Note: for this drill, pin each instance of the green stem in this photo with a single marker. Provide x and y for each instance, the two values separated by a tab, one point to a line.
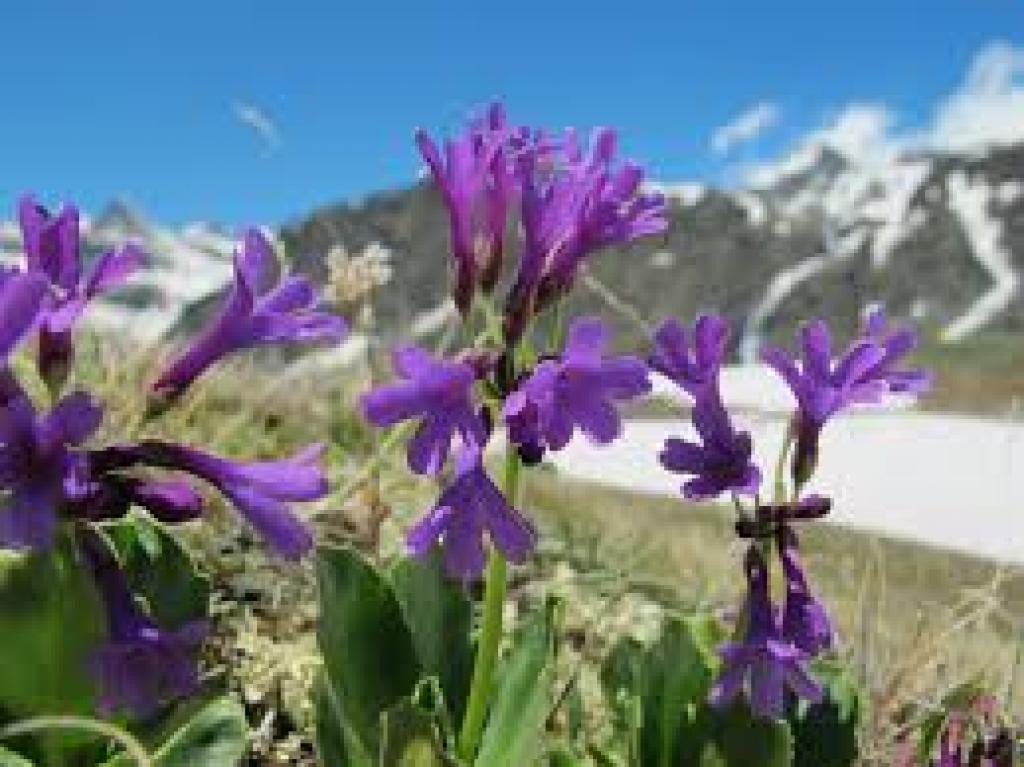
780	466
491	630
135	750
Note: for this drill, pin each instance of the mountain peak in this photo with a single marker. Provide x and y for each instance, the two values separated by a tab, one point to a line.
120	219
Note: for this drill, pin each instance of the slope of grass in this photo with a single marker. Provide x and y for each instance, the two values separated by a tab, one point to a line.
913	621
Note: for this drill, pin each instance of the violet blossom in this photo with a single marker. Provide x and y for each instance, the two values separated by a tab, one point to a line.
53	250
110	495
258	310
805	621
436	391
694	367
823	386
21	301
470	507
896	344
721	462
477	182
764	661
573	206
260	490
38	470
578	390
141	666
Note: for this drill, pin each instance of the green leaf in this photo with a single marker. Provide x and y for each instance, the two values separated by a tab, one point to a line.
160	571
679	674
367	648
11	759
215	736
623	680
515	729
43	663
333	746
736	738
825	733
564	757
440	616
51	621
668	682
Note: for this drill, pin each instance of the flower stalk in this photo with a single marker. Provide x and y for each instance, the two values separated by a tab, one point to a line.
495	587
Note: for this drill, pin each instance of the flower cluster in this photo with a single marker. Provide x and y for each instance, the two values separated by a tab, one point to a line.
568	204
57	482
772	646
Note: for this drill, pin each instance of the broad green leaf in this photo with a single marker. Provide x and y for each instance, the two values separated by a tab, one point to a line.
440	616
825	733
736	738
624	668
332	745
367	648
51	621
564	757
624	681
160	571
216	737
515	729
11	759
678	678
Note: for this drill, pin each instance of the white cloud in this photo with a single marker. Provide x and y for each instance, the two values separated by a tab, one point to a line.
745	127
988	109
860	132
261	124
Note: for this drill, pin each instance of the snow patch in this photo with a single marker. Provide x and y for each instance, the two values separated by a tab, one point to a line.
686	193
753	206
838	247
970	201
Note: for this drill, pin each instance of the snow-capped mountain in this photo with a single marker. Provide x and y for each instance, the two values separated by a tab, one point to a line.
183	267
825	231
937	236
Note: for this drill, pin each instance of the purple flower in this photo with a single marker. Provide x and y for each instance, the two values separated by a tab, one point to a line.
141	667
52	250
764	661
37	469
440	394
478	185
21	301
260	490
578	390
895	344
721	462
863	374
468	508
805	621
258	311
695	368
573	206
111	495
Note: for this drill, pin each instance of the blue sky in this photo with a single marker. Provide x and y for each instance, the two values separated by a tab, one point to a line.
143	101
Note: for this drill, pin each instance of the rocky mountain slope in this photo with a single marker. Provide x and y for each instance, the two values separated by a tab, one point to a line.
939	237
936	237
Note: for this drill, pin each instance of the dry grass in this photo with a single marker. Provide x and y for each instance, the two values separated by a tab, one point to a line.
913	621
